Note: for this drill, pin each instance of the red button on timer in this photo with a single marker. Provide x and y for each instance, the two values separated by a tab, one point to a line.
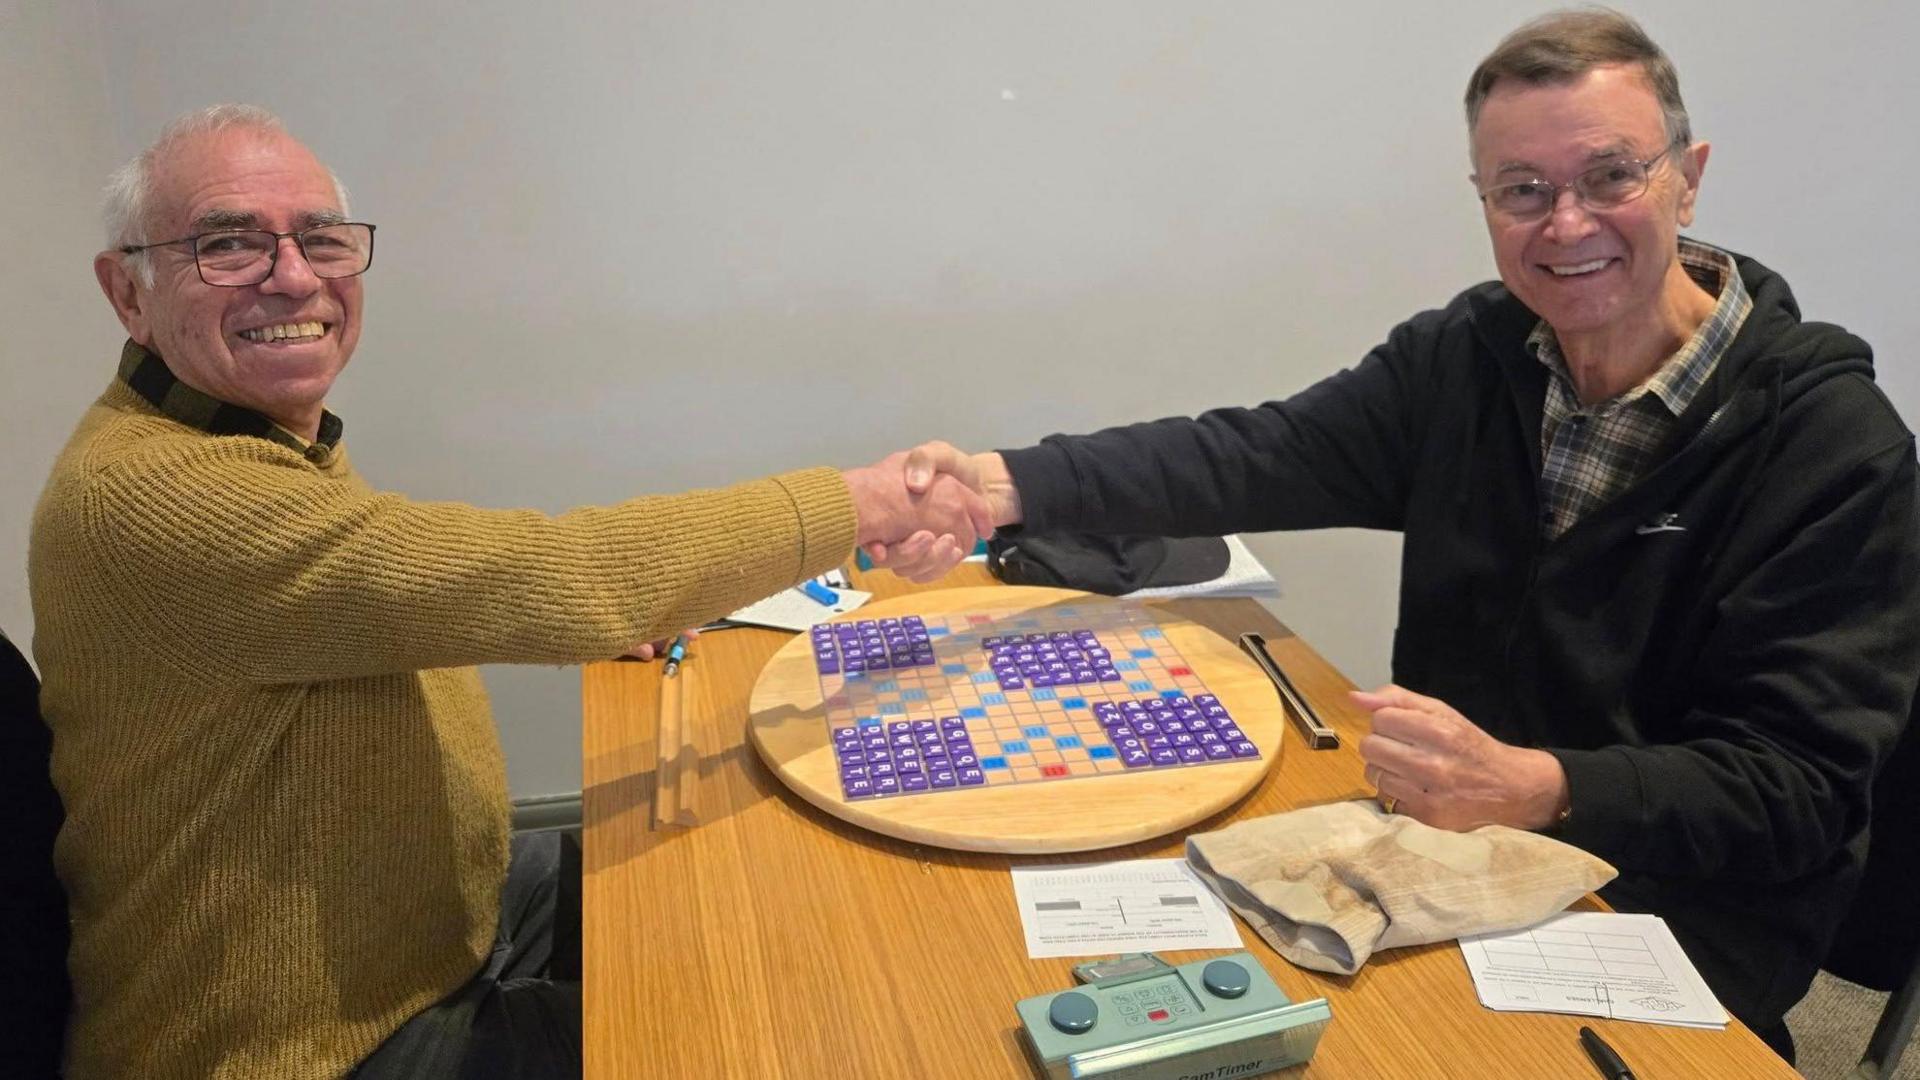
1157	1015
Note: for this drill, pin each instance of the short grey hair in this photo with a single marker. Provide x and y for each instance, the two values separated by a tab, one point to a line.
129	194
1561	46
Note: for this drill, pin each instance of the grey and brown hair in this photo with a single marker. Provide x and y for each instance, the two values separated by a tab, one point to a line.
128	199
1564	45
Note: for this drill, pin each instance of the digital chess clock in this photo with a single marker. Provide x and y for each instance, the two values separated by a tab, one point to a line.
1219	1019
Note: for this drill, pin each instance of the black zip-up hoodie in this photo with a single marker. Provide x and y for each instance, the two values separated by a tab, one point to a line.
1720	656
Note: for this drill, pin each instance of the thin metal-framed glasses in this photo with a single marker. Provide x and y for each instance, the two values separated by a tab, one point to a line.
234	258
1614	183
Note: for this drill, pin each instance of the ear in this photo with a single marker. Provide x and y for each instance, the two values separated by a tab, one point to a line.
1693	164
123	292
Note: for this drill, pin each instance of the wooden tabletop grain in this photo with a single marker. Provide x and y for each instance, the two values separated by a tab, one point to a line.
773	940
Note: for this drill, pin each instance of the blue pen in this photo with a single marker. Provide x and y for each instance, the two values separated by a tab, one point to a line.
676	654
819	592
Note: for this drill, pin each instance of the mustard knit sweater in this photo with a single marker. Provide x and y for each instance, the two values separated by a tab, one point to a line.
287	814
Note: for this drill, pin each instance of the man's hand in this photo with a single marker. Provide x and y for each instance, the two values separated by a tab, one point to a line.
922	534
1435	765
985	473
649	650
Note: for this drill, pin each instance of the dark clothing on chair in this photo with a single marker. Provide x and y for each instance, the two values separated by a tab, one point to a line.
1879	943
519	1017
34	934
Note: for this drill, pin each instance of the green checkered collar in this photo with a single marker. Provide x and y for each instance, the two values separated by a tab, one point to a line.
148	375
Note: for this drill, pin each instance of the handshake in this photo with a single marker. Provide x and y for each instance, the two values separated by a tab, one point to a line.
922	510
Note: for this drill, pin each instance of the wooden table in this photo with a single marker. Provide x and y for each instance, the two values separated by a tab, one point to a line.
773	940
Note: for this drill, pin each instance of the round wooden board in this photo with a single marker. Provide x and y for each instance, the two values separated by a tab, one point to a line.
789	728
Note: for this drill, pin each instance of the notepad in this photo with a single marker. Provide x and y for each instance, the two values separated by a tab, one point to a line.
1091	909
1245	575
1593	963
791	609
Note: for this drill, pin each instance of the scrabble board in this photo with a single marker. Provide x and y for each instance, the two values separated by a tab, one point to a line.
1043	704
1015	719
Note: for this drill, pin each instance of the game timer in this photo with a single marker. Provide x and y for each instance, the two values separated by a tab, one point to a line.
1220	1019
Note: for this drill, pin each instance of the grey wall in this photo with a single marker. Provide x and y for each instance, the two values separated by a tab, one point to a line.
56	142
638	247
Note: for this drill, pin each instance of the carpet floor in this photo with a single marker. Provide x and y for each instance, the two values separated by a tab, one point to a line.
1830	1028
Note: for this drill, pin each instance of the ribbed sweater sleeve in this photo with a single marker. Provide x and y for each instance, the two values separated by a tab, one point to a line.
238	549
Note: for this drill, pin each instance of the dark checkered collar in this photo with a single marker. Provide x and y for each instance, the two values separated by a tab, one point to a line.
149	376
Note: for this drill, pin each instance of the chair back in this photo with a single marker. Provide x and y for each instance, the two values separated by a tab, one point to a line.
34	992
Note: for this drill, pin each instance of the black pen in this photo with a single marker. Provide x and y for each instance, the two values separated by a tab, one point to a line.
1604	1058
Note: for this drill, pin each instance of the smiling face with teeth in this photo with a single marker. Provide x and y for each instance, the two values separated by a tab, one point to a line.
275	347
1609	281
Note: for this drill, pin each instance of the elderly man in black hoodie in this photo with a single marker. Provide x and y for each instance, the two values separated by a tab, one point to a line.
1661	568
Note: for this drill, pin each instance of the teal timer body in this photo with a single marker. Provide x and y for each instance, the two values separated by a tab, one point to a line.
1219	1019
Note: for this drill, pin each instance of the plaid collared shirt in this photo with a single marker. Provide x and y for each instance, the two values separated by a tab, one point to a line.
149	376
1590	453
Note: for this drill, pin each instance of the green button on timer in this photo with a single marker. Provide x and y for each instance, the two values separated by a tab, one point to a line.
1073	1013
1224	978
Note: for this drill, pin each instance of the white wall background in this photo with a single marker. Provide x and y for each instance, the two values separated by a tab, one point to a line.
56	146
639	247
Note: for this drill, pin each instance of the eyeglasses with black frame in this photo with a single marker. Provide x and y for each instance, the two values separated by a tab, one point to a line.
1614	183
235	258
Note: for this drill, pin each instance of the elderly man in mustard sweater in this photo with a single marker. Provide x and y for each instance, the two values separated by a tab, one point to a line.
287	831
